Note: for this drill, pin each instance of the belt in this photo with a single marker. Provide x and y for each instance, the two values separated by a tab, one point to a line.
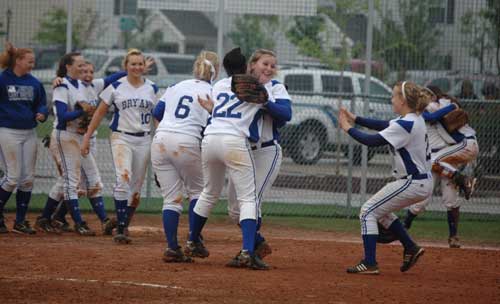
138	134
471	137
416	176
435	150
265	144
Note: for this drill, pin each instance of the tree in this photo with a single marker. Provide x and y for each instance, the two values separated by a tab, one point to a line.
50	33
254	32
411	42
479	38
492	14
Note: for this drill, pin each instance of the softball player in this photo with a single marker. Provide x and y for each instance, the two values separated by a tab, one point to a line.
266	152
176	148
66	140
22	105
408	140
226	146
92	87
133	98
450	151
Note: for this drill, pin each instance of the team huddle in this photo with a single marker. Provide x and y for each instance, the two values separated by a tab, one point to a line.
201	131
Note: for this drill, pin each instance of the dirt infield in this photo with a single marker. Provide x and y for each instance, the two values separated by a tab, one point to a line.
308	267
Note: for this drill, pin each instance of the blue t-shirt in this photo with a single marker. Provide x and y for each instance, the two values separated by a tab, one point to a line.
21	98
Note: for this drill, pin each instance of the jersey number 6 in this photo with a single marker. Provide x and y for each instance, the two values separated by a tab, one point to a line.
182	110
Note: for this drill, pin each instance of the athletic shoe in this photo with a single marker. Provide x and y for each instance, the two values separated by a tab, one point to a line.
196	250
263	249
3	228
363	268
108	226
83	229
176	256
44	225
62	226
122	239
245	260
454	242
23	228
410	257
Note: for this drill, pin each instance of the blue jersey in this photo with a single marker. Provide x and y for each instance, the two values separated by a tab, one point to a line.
21	98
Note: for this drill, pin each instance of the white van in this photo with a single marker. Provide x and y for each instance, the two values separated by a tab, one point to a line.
316	95
169	68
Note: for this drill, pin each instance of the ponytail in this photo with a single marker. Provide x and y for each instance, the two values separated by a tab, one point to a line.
206	66
66	59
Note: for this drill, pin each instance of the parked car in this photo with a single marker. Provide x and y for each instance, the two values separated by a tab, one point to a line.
316	95
169	68
46	60
452	84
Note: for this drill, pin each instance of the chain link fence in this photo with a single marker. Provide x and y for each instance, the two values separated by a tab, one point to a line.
323	49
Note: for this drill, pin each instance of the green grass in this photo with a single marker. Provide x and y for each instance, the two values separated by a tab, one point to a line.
429	226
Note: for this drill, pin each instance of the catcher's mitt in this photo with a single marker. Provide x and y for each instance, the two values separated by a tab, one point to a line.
455	120
248	89
84	121
385	236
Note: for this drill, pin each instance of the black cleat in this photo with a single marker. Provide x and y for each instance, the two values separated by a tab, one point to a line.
23	228
363	268
245	260
410	257
176	256
196	250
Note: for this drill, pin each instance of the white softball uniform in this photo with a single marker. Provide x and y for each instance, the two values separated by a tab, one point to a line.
227	146
176	147
130	139
267	154
66	151
18	158
409	145
448	156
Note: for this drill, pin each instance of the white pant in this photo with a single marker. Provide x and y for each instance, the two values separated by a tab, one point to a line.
131	156
392	197
221	152
65	149
267	163
176	160
18	159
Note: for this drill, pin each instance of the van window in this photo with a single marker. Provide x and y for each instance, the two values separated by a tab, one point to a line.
299	83
331	84
178	65
375	88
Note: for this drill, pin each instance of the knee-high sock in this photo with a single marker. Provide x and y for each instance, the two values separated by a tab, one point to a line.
192	203
403	236
453	216
170	224
130	214
195	229
259	238
74	210
22	201
370	247
121	213
4	197
61	212
50	207
248	230
409	219
97	204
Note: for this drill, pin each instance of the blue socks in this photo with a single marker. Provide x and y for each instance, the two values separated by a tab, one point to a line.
50	207
4	197
198	222
121	212
370	246
130	213
61	212
192	203
248	231
74	210
409	219
258	237
97	204
22	202
453	215
170	224
403	236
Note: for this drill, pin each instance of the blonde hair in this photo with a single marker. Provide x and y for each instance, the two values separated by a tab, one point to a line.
9	56
206	66
416	97
257	55
132	52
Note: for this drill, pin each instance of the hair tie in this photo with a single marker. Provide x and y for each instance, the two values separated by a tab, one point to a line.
212	69
403	89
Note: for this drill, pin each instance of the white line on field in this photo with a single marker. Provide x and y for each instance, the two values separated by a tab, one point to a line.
35	278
